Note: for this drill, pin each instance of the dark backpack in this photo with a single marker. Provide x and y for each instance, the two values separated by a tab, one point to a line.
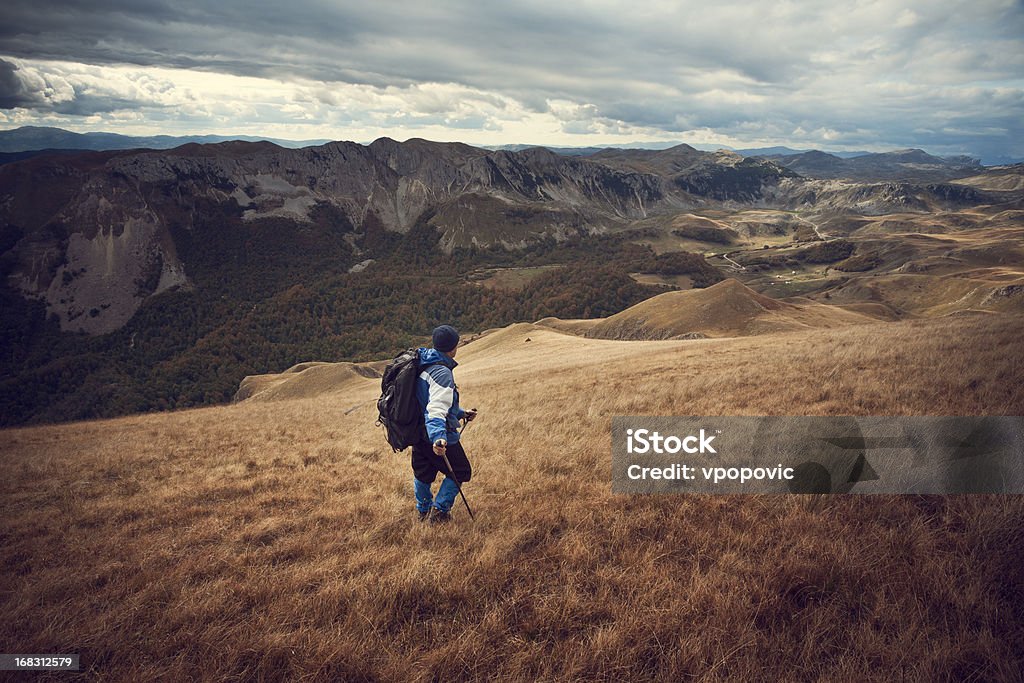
400	412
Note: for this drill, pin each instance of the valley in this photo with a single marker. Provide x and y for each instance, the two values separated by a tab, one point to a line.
140	280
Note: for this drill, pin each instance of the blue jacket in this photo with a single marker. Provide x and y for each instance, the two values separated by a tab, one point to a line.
438	396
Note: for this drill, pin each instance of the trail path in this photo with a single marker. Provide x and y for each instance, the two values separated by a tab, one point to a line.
817	232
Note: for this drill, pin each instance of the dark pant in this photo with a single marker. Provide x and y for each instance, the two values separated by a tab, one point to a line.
426	464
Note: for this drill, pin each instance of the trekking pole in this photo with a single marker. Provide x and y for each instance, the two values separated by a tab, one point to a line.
451	473
458	484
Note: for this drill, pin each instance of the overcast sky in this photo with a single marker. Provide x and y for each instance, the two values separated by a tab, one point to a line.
943	75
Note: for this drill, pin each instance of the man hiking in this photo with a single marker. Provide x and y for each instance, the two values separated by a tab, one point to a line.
438	396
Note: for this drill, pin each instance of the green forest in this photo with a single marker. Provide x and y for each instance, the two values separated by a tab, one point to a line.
268	296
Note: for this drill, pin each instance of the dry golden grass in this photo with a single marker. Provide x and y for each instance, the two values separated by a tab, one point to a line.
728	308
306	379
677	281
512	278
1008	180
276	541
577	326
931	295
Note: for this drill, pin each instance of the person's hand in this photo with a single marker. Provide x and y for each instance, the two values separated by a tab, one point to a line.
440	447
470	414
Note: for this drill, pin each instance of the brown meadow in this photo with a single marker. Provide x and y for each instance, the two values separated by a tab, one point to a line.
275	539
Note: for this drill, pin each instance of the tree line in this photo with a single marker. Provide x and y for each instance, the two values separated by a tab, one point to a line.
265	298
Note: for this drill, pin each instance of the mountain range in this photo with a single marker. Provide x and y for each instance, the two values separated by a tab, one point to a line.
907	164
750	152
30	140
35	138
147	279
94	234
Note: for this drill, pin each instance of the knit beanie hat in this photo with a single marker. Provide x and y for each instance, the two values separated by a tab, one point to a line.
446	338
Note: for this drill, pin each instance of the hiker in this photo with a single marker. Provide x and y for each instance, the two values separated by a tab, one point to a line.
438	396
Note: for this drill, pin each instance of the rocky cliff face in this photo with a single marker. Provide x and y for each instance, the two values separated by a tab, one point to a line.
94	234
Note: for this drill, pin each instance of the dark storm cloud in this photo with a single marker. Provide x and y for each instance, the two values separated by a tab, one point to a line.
559	50
13	92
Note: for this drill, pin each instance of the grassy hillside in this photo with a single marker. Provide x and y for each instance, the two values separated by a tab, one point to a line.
275	540
728	308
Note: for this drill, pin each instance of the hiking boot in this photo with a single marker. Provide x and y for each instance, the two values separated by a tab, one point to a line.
438	516
422	515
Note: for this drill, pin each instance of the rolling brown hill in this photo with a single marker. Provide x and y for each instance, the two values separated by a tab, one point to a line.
307	379
280	535
726	309
1000	178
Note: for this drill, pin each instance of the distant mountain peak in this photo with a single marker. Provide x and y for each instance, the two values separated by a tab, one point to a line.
33	138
